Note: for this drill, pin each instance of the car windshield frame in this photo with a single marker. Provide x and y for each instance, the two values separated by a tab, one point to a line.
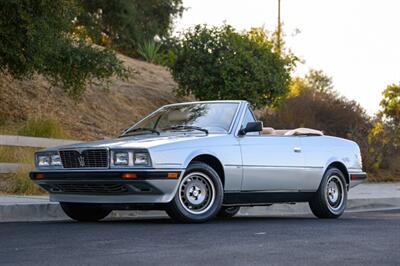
163	109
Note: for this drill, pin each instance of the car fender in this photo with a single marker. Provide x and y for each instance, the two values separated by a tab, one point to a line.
331	160
337	160
196	153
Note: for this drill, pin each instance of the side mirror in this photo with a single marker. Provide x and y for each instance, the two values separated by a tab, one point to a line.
251	127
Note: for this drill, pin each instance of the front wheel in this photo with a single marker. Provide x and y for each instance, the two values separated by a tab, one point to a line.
84	212
331	198
199	196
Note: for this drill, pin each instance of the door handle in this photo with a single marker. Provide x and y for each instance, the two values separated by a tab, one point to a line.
297	149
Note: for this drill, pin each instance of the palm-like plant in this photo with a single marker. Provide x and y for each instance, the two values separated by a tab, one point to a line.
149	51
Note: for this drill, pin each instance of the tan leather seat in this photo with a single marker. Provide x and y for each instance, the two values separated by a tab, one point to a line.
267	130
280	131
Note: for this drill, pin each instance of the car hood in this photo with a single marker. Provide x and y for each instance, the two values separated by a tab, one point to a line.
143	142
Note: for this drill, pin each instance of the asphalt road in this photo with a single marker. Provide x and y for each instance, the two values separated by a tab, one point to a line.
370	238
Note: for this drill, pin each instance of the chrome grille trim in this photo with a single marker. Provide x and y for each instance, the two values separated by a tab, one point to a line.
84	158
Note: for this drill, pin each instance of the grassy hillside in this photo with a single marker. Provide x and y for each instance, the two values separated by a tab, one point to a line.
100	113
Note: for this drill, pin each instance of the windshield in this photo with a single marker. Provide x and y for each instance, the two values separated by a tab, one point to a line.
213	117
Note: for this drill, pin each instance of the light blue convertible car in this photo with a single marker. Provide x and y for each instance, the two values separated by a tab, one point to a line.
199	160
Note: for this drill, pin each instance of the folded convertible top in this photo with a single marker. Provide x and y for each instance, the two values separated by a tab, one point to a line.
292	132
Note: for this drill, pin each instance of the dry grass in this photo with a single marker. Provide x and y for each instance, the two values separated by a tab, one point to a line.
99	113
19	184
43	127
12	154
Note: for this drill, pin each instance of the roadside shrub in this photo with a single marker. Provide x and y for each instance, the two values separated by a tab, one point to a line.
43	127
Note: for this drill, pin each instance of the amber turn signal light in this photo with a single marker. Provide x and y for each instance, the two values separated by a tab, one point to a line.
172	175
39	175
129	175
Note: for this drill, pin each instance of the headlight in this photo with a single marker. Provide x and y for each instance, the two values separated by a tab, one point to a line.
48	159
121	158
130	158
55	160
142	158
43	160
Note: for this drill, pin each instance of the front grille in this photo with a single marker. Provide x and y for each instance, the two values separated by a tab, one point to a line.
91	158
93	189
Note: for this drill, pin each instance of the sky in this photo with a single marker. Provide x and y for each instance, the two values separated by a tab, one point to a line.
355	42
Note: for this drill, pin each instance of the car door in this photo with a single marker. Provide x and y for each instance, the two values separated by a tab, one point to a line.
270	162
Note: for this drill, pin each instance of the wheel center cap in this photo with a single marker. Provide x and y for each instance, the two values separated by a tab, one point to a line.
333	194
196	193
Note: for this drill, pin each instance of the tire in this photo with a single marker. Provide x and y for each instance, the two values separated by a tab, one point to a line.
84	212
228	212
331	198
199	196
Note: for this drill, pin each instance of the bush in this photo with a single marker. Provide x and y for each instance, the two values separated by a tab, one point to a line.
43	127
219	63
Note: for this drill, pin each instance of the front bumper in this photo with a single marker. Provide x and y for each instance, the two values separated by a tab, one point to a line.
143	186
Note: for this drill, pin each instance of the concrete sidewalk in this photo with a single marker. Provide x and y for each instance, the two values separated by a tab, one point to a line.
369	196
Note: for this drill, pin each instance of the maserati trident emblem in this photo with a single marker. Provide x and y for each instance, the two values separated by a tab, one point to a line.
81	161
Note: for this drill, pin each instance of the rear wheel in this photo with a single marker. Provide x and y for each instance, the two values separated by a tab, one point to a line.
199	196
84	212
331	198
228	212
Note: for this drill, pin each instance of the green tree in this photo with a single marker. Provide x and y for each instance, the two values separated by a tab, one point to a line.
129	23
220	63
384	136
390	104
388	124
318	81
36	38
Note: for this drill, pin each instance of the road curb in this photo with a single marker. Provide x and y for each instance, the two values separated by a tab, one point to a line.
371	204
31	212
53	212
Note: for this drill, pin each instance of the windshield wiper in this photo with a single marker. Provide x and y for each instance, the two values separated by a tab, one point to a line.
152	130
186	127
